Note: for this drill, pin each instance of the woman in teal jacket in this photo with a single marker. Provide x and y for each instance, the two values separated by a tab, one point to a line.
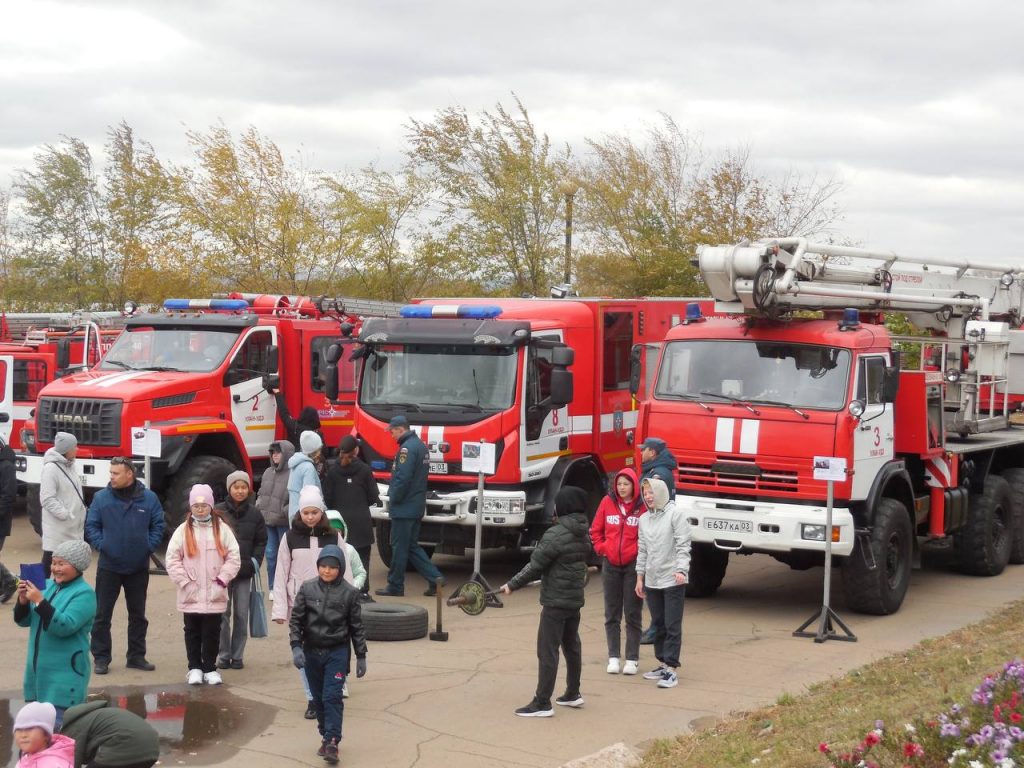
57	666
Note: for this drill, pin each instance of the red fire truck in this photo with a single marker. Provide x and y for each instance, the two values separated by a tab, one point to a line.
545	381
747	402
198	373
36	348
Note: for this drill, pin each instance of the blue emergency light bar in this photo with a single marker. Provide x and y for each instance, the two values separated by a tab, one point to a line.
232	305
469	311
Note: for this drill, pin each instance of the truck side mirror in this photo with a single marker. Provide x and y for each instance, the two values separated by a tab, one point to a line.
333	354
63	354
635	356
272	358
561	388
331	383
891	379
271	381
562	356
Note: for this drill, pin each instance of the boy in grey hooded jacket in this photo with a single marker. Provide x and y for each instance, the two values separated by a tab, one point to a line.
60	496
272	502
662	569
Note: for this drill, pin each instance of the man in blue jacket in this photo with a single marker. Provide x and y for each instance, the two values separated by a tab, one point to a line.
125	523
407	501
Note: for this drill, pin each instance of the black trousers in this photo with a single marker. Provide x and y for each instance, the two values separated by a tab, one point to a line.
364	555
621	601
108	588
666	606
558	628
202	639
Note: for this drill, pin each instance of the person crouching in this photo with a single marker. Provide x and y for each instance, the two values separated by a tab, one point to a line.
325	617
202	559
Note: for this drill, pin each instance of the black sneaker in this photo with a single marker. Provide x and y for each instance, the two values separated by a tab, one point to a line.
385	592
569	700
142	664
223	663
237	664
365	597
647	638
310	713
535	709
331	752
323	749
8	592
101	667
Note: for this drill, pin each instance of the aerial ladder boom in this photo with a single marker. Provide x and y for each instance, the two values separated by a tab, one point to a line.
772	277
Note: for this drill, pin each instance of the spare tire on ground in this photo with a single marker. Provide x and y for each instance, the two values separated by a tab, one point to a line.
394	621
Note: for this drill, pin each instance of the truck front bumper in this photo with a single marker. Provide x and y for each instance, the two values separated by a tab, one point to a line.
94	473
735	524
505	509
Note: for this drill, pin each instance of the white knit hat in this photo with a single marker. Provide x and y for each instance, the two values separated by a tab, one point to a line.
36	714
310	496
310	443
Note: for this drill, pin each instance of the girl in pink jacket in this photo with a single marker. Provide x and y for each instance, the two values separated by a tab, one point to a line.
40	747
202	559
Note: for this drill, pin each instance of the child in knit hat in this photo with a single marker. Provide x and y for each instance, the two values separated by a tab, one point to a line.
36	741
202	559
304	470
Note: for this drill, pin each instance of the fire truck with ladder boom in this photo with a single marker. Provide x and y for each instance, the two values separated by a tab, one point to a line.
38	347
498	371
200	374
746	402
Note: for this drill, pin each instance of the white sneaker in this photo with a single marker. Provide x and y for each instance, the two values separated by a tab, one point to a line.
656	673
613	666
271	597
344	690
631	667
668	679
213	678
195	677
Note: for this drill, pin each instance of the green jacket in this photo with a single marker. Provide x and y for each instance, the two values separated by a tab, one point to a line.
58	666
108	735
560	562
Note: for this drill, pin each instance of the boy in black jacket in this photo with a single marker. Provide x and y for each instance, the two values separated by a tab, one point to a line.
350	488
325	616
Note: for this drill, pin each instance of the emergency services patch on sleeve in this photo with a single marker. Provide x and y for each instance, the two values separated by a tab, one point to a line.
403	455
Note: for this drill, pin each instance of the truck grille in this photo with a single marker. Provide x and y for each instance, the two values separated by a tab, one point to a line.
93	422
737	473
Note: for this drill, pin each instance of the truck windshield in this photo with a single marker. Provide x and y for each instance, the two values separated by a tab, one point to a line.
801	375
435	377
169	349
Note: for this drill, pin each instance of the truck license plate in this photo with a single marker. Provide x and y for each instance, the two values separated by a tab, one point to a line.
438	468
731	526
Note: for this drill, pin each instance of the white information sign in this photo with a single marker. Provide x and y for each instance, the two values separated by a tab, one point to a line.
830	468
145	442
478	457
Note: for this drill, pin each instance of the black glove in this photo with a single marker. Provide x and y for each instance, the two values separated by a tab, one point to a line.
298	657
360	667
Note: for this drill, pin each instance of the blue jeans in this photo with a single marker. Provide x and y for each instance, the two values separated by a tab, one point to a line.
274	535
325	670
405	548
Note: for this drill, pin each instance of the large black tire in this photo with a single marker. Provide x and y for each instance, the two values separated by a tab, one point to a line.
983	544
34	508
881	591
1015	478
394	621
707	569
209	470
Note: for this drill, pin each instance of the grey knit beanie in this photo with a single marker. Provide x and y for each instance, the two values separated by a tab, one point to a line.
76	553
239	474
64	442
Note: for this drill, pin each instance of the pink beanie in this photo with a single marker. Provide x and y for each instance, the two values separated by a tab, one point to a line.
200	494
310	496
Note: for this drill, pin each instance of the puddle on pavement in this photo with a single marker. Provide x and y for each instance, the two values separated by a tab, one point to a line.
199	725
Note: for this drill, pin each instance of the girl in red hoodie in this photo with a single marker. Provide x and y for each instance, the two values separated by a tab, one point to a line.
614	534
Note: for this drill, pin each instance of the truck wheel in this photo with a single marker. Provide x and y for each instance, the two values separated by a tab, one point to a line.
881	591
707	569
209	470
383	535
34	508
983	544
1015	478
394	621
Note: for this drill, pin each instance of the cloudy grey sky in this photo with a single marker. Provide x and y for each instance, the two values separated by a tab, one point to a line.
912	104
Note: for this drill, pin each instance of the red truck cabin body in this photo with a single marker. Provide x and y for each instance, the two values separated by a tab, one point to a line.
199	379
460	381
745	472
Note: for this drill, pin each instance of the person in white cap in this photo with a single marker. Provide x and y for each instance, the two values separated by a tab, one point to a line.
303	469
40	747
60	496
59	618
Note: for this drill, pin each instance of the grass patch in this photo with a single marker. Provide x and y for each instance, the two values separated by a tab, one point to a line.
922	681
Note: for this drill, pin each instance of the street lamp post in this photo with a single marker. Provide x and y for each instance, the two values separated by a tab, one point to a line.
568	187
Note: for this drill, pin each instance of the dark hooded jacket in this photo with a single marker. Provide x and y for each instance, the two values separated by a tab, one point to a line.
352	491
308	419
560	559
8	488
272	499
327	615
125	525
615	526
251	532
662	466
108	735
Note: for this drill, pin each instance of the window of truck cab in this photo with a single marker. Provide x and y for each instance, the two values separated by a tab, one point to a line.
196	350
754	370
348	370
